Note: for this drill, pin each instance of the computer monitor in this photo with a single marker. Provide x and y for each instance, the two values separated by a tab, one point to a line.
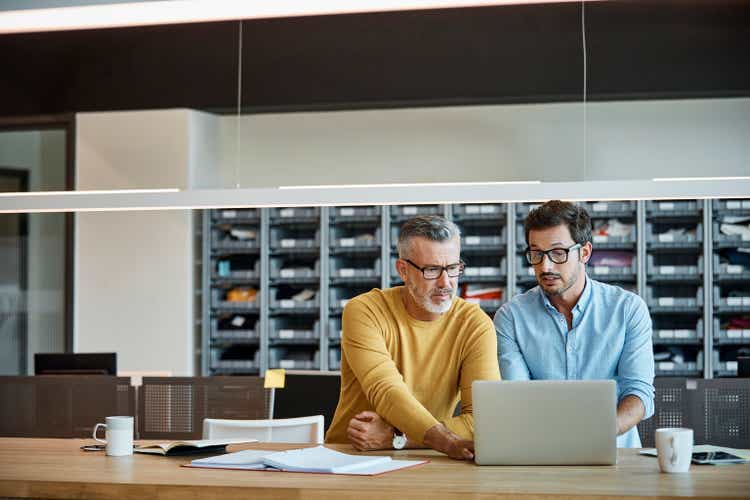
78	363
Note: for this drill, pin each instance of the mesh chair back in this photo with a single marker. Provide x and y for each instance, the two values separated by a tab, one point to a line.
724	412
671	408
174	407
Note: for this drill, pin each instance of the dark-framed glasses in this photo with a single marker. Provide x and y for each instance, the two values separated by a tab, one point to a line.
556	255
434	272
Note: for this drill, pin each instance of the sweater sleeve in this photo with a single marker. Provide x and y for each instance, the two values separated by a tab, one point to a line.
363	344
479	363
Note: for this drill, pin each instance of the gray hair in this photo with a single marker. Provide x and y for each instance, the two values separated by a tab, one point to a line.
431	227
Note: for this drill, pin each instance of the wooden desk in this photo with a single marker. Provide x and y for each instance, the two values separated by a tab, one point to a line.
56	468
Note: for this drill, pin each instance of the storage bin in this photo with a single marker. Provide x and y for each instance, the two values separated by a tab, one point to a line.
677	369
293	358
659	237
286	240
607	209
354	270
672	208
679	335
403	212
280	305
246	331
675	302
223	269
281	269
733	207
482	271
349	213
222	238
334	328
293	329
479	211
726	304
730	272
334	358
673	272
293	214
730	336
355	237
235	215
219	301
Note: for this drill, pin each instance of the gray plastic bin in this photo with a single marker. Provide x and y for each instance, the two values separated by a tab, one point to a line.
291	214
730	336
292	329
218	301
345	237
293	358
740	304
676	272
284	239
342	270
730	272
670	208
281	305
478	210
679	335
250	333
280	269
673	303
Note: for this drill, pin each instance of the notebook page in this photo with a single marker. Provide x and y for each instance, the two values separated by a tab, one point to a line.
321	459
245	459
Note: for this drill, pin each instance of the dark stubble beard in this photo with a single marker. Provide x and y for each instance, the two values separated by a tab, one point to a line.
566	286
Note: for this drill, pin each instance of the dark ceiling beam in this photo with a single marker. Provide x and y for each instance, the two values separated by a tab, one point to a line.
514	54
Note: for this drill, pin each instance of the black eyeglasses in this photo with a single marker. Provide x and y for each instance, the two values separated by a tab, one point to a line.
434	272
556	255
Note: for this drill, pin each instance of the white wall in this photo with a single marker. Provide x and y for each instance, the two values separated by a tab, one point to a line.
42	155
625	140
134	270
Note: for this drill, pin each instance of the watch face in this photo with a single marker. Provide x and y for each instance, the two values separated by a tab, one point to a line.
399	441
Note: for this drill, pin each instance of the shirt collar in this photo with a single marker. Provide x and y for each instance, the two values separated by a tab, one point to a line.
583	300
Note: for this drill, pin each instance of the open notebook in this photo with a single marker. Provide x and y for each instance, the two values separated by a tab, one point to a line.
188	447
318	459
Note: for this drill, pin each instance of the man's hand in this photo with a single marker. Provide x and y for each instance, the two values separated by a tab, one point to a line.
440	438
368	431
630	411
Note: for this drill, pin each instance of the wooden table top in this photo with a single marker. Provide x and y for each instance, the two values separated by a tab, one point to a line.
57	468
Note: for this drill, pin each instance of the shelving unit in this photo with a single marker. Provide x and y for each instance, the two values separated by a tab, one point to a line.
304	264
674	285
730	263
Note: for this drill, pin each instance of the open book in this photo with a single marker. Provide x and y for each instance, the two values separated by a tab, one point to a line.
190	447
318	459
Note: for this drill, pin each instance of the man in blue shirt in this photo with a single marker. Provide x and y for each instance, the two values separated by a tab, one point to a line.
571	327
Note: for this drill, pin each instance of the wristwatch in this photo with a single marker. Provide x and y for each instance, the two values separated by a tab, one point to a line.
399	439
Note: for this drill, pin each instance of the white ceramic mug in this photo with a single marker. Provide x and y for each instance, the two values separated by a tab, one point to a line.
118	436
674	448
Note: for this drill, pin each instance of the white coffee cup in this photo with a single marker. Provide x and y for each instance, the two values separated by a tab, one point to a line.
118	436
674	448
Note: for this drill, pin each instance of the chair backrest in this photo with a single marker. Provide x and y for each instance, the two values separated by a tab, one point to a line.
61	406
282	430
174	407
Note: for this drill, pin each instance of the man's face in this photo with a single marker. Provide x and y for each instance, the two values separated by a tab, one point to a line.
433	296
556	279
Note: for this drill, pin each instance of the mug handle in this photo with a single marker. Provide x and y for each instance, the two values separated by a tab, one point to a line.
96	427
673	458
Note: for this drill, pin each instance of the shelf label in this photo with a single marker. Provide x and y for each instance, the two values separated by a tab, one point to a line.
683	334
472	209
409	210
734	334
746	334
488	209
666	365
666	301
473	240
287	303
599	207
734	269
600	238
666	270
601	269
286	364
666	205
229	214
746	301
732	366
346	273
286	334
287	273
347	242
488	271
666	334
288	243
286	212
734	301
346	212
666	238
471	271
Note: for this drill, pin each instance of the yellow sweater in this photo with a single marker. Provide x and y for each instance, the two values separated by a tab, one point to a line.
412	372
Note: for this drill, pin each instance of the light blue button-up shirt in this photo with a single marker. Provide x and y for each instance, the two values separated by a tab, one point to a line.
610	339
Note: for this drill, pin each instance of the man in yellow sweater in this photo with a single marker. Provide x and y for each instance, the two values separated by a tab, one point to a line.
411	352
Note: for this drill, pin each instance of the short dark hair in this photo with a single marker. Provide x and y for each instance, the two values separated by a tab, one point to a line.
556	212
431	227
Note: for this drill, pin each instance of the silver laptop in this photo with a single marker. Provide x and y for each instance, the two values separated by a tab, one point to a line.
545	422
